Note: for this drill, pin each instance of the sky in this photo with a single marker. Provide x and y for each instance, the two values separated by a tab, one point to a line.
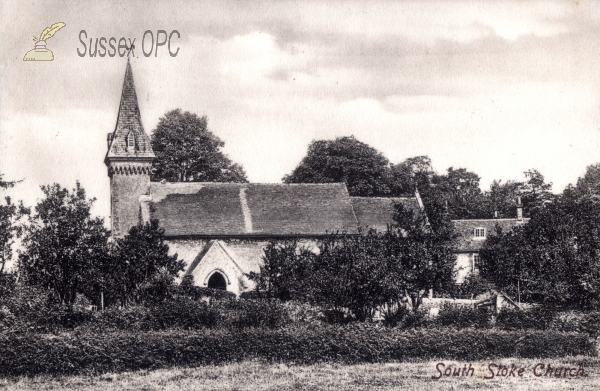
494	87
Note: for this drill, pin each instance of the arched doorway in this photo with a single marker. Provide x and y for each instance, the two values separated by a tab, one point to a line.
217	281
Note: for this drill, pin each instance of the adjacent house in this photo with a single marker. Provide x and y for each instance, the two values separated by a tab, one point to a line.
472	235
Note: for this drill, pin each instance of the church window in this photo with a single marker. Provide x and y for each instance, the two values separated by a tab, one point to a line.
217	281
479	233
130	141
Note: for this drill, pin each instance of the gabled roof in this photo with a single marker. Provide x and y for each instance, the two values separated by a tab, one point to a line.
252	209
466	242
129	120
377	213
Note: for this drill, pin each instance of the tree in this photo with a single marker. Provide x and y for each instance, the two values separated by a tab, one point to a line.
411	174
460	191
137	259
554	258
285	271
352	272
186	151
345	159
589	184
62	243
423	256
502	198
10	214
535	192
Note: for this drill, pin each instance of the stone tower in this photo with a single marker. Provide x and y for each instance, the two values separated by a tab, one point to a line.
129	160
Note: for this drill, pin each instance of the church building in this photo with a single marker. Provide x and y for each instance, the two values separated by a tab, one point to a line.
221	229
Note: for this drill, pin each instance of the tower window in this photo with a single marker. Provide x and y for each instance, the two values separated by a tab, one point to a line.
131	142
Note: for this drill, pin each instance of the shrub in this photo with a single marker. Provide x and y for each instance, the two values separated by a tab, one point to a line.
34	309
584	322
461	316
188	289
79	352
416	319
537	318
335	316
299	312
253	313
394	317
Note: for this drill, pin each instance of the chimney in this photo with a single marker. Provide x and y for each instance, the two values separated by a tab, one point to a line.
109	139
519	209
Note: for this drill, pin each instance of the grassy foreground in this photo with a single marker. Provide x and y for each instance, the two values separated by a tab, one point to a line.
254	375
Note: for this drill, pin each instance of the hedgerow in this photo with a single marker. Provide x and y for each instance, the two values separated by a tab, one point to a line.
88	352
461	316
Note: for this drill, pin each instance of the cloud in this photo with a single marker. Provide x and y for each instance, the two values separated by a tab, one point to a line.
495	87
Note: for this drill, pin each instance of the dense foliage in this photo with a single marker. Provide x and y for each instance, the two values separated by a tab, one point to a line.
362	274
368	173
554	258
186	151
345	159
84	352
140	267
62	243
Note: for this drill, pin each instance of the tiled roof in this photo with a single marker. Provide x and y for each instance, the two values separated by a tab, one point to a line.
466	241
377	213
237	209
128	120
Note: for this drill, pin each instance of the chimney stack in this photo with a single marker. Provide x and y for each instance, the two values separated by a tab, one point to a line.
519	209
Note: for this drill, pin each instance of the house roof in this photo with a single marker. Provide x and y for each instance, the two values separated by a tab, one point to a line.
466	241
377	213
252	209
129	120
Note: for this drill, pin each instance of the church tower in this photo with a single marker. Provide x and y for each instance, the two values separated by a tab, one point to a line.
129	160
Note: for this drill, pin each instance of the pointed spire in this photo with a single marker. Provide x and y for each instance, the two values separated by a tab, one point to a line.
129	138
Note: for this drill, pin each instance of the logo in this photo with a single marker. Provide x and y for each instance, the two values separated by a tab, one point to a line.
40	52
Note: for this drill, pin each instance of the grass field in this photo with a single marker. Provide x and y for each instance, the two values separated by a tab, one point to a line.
253	375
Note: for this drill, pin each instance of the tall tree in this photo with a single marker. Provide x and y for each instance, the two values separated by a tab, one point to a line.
62	243
535	192
589	184
411	174
345	159
502	198
186	151
459	191
10	214
423	255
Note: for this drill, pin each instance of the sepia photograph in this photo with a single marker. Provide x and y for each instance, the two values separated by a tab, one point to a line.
300	195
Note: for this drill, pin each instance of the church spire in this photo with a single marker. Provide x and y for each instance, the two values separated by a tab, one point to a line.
129	139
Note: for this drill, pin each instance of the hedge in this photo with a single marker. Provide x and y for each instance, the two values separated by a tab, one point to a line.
86	352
